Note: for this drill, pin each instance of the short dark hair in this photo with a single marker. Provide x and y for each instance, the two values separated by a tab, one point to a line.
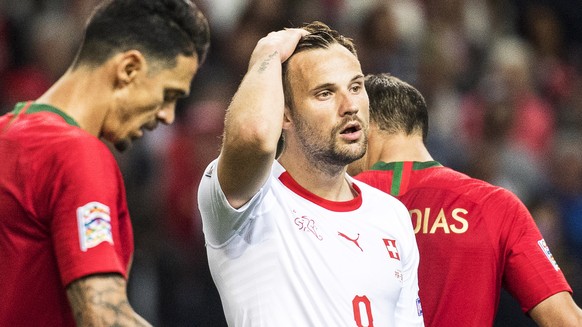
320	36
160	29
396	106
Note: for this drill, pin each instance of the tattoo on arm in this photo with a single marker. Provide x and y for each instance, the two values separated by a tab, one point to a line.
266	62
101	300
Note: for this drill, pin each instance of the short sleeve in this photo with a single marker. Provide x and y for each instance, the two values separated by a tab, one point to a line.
220	221
409	308
90	223
531	273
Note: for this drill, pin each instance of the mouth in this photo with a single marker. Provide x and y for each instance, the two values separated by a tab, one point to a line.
351	131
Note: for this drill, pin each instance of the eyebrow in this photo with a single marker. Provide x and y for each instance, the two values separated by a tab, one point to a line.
328	85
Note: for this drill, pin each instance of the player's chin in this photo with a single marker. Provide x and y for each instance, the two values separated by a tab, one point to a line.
353	152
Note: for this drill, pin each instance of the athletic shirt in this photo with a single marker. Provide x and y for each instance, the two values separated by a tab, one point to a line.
291	258
63	217
473	239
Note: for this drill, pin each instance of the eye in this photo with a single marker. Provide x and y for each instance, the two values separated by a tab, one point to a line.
356	88
172	96
323	95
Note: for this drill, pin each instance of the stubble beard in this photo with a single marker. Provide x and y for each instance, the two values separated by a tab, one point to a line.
329	154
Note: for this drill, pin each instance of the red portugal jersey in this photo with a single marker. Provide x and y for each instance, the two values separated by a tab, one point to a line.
473	238
63	217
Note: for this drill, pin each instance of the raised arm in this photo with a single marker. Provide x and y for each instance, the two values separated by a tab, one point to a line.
254	119
557	310
101	300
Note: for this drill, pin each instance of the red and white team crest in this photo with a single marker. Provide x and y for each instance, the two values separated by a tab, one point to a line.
392	249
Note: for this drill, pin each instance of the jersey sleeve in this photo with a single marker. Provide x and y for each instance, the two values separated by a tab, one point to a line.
408	308
90	225
531	273
220	221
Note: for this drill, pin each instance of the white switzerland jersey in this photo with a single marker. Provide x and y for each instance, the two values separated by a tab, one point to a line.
291	258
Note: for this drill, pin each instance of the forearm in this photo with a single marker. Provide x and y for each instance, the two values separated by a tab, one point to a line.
557	310
255	115
101	300
254	119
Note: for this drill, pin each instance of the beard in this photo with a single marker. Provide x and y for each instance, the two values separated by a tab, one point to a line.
328	153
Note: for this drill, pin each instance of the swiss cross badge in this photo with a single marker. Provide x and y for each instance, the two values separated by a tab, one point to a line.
392	249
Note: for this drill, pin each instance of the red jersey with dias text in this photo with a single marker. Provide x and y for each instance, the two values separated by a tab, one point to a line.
64	214
473	238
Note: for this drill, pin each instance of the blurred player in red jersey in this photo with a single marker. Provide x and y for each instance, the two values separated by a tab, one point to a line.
473	237
66	239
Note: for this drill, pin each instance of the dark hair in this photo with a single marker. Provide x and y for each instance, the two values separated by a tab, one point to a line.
320	36
396	106
160	29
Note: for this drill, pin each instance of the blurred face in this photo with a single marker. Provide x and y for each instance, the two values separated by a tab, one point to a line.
149	98
328	120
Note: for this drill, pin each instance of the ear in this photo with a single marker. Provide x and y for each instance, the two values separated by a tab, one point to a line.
287	118
129	65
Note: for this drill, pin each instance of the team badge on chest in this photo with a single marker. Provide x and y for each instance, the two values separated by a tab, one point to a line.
391	247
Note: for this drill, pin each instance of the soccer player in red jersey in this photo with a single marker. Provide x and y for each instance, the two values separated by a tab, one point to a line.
66	239
473	237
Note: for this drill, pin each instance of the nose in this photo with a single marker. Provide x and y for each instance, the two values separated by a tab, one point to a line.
167	114
348	104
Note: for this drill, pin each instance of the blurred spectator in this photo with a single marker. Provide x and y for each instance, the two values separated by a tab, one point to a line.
390	36
566	177
506	115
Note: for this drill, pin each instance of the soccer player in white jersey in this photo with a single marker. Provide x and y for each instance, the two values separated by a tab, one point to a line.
293	240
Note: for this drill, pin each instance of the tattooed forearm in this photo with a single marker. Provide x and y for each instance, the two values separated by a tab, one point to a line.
101	300
266	62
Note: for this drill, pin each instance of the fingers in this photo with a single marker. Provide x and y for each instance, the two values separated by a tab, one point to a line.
282	42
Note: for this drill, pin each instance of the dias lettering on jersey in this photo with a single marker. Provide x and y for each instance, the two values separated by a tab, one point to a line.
429	221
392	249
94	223
546	249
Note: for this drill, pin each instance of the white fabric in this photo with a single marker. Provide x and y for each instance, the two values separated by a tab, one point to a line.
280	259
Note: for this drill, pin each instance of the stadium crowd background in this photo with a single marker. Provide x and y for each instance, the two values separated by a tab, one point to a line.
503	81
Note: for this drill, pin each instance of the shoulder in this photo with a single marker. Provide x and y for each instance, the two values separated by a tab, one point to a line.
46	141
478	190
377	197
51	131
78	145
370	191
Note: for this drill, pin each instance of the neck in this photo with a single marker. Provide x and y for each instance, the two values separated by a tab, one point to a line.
397	147
81	94
330	185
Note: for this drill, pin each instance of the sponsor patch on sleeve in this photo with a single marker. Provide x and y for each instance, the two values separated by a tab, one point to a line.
546	249
94	223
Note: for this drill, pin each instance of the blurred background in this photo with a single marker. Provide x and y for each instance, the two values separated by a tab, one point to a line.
503	80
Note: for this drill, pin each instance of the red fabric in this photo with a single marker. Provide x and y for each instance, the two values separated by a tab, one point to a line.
48	170
472	238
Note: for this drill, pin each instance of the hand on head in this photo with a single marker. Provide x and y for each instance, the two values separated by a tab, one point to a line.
282	43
